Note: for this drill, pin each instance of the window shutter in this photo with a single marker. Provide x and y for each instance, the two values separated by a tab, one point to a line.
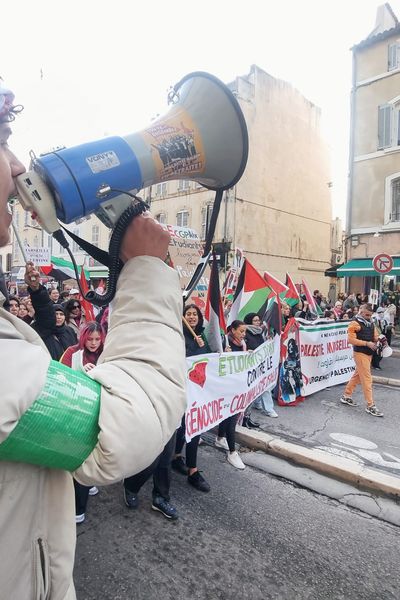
384	126
392	56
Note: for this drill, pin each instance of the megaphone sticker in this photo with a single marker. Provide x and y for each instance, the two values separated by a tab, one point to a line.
176	145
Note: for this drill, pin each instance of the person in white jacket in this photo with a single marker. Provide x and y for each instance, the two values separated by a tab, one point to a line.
142	396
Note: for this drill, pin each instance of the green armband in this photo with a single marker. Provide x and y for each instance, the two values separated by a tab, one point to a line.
61	427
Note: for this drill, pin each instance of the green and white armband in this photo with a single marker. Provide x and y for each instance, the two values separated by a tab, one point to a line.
61	428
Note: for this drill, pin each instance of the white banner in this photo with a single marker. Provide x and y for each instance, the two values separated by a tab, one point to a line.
39	256
222	385
325	354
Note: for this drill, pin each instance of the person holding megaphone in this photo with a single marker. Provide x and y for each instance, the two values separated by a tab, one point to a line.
57	424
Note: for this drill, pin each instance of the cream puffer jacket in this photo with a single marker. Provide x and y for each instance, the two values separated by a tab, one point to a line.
142	401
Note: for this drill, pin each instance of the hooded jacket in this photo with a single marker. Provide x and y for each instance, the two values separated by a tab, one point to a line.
56	338
142	399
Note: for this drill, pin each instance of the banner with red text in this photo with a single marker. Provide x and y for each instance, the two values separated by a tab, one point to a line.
222	385
326	356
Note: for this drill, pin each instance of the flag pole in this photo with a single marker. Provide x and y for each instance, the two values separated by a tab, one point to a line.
195	336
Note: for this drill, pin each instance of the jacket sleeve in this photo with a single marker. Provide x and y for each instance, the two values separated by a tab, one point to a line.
352	331
45	315
142	373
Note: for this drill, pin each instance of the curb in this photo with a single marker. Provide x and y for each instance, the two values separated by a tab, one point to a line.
323	462
386	380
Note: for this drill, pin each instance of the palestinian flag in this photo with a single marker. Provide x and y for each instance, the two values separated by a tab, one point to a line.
276	286
61	269
251	293
292	295
314	308
272	315
215	326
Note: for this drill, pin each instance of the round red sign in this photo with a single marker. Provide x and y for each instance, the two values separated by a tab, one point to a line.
382	263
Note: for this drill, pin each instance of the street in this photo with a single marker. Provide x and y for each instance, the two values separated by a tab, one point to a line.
321	421
252	537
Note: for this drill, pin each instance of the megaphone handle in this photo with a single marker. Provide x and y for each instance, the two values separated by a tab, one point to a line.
196	276
213	222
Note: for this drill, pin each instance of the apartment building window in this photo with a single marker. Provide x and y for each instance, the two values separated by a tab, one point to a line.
385	113
206	213
161	189
393	56
182	218
183	185
95	235
161	218
395	212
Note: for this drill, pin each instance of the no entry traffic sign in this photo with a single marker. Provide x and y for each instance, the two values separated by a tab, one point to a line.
382	263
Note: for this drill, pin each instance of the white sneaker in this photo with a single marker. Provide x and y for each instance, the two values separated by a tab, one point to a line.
235	460
271	413
93	491
221	443
80	518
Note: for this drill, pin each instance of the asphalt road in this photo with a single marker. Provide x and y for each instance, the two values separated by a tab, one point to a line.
322	421
253	537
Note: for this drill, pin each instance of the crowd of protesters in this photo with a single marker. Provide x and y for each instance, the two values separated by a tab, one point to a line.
59	318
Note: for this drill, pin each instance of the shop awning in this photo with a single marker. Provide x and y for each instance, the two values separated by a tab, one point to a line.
362	267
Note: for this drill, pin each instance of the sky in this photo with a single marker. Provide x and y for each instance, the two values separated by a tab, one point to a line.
85	69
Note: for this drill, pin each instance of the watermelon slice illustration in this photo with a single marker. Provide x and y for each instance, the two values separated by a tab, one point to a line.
197	373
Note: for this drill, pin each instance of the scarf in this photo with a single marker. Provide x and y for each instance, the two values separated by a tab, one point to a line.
254	329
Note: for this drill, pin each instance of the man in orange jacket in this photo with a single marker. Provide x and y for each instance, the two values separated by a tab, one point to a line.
362	335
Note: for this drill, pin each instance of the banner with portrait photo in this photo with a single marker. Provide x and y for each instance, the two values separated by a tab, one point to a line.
325	354
291	387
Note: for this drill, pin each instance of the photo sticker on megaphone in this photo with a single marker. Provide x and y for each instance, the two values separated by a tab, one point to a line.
176	146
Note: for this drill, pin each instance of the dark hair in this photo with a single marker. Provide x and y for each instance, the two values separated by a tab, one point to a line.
64	294
199	326
15	298
249	318
328	314
366	306
69	307
235	324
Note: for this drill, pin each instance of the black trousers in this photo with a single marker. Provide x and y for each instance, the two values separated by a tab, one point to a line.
81	497
227	429
191	447
161	471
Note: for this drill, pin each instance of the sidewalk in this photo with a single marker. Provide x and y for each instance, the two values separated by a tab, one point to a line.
340	441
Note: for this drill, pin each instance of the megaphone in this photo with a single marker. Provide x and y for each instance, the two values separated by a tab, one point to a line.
203	137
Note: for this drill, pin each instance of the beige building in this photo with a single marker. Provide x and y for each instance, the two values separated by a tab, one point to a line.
279	213
373	210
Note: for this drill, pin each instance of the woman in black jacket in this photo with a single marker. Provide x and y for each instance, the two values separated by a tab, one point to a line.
194	344
226	429
49	322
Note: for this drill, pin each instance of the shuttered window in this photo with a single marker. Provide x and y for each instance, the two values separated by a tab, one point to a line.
385	126
393	56
395	214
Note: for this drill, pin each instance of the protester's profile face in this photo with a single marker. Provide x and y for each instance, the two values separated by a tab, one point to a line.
239	332
54	295
60	318
10	167
93	342
192	317
14	308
